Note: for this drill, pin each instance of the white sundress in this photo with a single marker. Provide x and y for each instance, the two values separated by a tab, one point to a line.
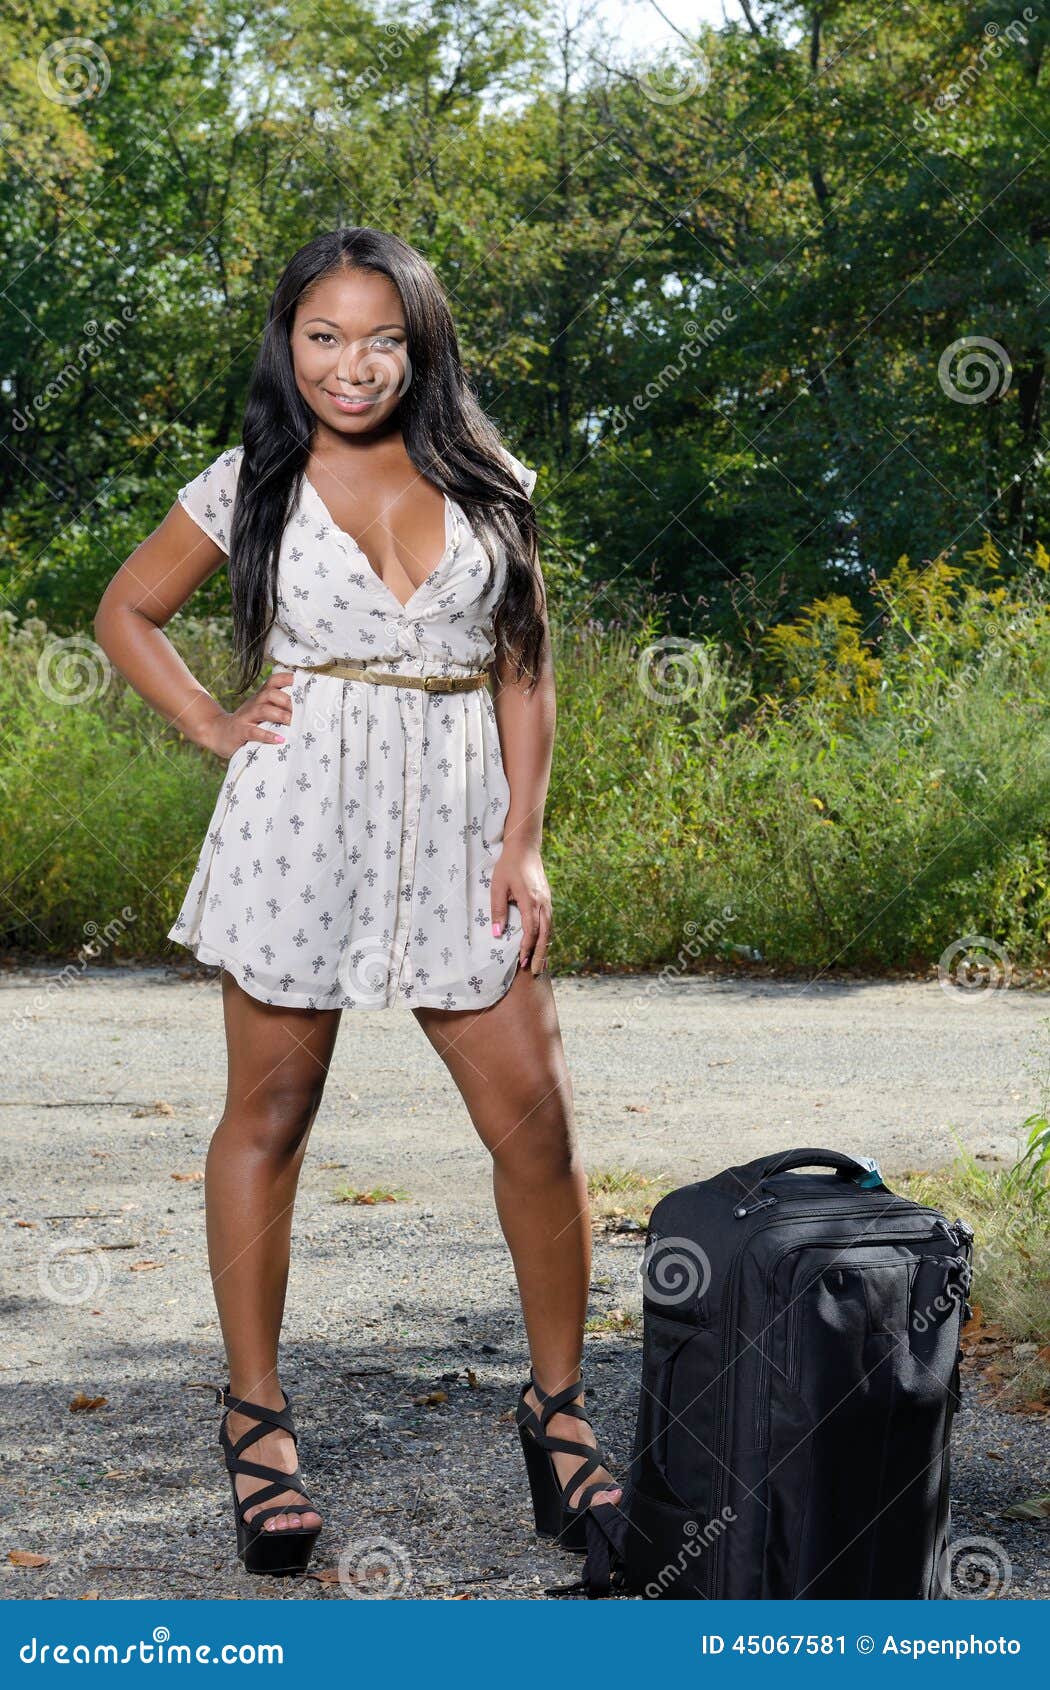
350	867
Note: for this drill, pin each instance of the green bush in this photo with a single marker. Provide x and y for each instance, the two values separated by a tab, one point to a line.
895	802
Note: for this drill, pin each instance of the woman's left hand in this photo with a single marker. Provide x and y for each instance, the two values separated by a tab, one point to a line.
519	877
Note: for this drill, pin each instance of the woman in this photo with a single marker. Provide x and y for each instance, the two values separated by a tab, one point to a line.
377	837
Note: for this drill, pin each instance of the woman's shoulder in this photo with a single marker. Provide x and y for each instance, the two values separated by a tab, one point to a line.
210	496
525	475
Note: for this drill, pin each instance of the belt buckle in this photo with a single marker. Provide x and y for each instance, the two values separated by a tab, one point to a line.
431	683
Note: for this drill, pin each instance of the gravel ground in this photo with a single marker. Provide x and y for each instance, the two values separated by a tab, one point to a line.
116	1079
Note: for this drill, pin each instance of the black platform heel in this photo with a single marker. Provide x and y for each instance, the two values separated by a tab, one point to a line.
595	1528
279	1552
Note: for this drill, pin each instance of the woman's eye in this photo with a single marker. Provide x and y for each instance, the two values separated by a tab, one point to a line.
385	340
322	335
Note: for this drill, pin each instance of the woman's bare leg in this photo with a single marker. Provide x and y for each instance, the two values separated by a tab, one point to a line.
509	1065
277	1065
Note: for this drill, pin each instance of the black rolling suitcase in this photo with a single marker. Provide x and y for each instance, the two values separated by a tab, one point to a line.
800	1372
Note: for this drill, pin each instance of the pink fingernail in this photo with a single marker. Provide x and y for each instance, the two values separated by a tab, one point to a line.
497	929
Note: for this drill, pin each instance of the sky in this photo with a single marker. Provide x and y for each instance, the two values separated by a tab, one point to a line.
637	24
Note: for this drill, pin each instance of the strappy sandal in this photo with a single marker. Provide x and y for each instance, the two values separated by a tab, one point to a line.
596	1528
277	1552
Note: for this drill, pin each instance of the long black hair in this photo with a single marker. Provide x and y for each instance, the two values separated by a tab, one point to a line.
446	433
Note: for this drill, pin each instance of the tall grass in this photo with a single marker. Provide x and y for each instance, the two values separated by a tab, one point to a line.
1009	1211
814	807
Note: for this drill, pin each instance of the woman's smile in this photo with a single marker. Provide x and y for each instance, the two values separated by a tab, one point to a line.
348	401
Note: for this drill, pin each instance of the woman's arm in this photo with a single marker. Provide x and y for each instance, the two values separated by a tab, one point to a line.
145	593
526	723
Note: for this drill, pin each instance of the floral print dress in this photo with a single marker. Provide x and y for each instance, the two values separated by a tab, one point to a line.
350	867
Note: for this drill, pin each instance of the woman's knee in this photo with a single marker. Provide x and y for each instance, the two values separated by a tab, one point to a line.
537	1138
273	1119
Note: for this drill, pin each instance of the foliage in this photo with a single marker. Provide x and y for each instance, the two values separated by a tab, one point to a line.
892	804
1007	1209
719	316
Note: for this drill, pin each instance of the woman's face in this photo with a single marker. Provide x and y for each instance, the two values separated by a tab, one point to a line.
350	350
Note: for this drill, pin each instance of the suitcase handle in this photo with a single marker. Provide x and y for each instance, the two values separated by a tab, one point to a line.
863	1169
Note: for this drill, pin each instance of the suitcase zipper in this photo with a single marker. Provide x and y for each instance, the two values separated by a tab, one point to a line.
749	1208
729	1328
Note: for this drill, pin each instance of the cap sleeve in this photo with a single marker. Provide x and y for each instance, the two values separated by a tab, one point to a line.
209	496
526	476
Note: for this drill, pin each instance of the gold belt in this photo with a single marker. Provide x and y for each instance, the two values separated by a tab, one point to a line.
352	671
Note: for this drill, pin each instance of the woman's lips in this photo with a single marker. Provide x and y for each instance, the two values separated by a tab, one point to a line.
344	403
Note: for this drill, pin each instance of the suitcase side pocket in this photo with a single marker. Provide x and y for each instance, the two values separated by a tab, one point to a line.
858	1417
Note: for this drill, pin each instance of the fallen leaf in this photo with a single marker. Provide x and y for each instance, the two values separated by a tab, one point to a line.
432	1399
330	1575
472	1377
637	1109
1036	1508
82	1402
143	1267
193	1176
26	1558
25	1223
158	1108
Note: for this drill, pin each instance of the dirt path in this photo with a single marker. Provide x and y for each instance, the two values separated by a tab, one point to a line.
114	1082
